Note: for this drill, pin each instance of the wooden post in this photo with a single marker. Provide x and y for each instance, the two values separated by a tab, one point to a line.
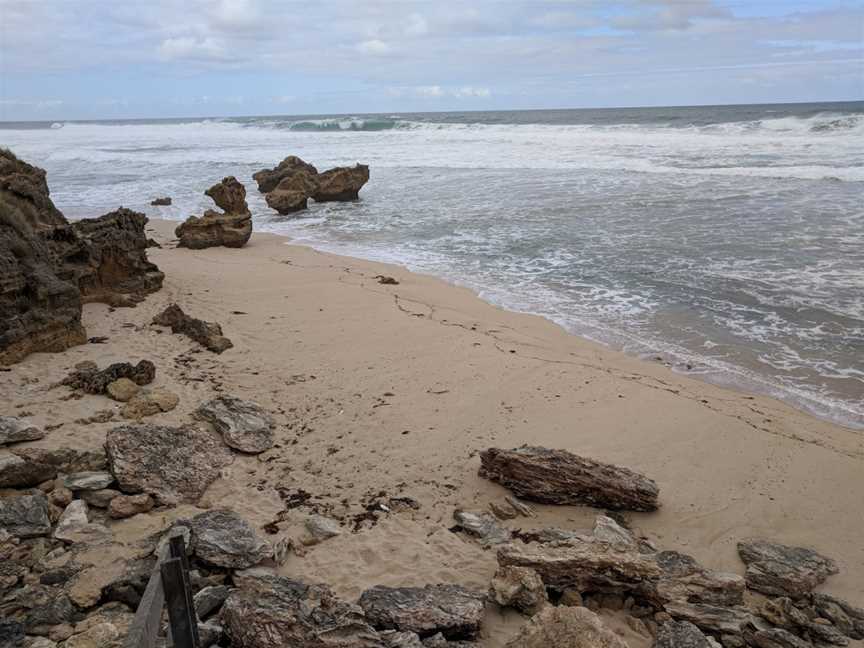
178	550
145	626
184	624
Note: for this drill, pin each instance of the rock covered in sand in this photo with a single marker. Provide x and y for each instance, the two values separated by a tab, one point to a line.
244	425
230	228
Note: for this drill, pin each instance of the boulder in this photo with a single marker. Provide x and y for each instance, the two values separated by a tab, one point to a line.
269	611
321	528
520	588
269	179
565	627
292	193
37	606
88	481
222	538
161	202
16	430
452	610
25	516
74	526
209	599
845	616
681	634
122	389
19	472
231	228
560	477
100	498
482	525
341	183
91	380
711	618
244	425
67	460
149	402
207	334
124	506
781	570
174	464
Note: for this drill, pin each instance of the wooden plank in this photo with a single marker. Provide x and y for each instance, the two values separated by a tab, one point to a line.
178	550
148	618
182	617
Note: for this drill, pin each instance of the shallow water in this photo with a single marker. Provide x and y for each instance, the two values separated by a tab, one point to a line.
728	240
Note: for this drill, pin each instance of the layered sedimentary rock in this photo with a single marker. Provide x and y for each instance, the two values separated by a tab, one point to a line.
49	267
288	186
773	568
230	228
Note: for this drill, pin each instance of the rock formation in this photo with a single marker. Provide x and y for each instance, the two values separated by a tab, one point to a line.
244	425
160	202
566	627
222	538
269	179
231	228
49	267
341	183
560	477
15	430
207	334
91	380
781	570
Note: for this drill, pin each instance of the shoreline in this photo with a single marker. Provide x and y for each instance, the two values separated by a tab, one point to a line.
395	389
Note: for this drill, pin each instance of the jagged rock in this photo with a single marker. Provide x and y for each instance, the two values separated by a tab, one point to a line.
124	506
19	472
244	425
608	530
88	481
560	477
782	612
25	516
681	634
847	618
483	525
100	498
171	464
207	334
520	588
122	389
161	202
710	618
221	537
341	183
74	526
149	402
683	579
781	570
270	611
233	228
16	430
565	627
451	610
292	193
269	179
321	528
94	381
767	637
396	639
209	599
35	606
584	566
67	460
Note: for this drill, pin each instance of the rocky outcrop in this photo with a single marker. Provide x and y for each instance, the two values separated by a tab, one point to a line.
231	228
681	634
224	539
566	627
91	380
48	266
777	569
16	430
341	183
560	477
207	334
292	193
269	179
452	610
171	464
244	425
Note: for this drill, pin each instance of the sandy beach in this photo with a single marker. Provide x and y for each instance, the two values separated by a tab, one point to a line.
389	391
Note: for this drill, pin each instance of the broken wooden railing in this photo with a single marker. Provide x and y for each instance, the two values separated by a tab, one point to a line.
169	587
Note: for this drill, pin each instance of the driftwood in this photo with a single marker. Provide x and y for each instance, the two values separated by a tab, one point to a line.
560	477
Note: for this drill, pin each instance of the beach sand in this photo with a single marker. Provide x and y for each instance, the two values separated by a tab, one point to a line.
386	391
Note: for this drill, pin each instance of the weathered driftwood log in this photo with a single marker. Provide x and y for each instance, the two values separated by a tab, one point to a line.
560	477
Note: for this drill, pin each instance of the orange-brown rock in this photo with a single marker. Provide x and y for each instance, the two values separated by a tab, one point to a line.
230	228
341	183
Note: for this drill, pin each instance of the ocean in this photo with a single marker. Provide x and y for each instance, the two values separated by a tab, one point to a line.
727	241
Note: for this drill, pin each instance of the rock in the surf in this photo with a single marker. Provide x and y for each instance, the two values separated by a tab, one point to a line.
230	228
269	179
161	202
341	183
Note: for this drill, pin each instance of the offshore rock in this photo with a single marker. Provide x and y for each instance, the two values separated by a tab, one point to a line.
16	430
452	610
341	183
520	588
269	179
25	516
207	334
171	464
244	425
292	193
781	570
94	381
560	477
566	627
222	538
161	202
231	228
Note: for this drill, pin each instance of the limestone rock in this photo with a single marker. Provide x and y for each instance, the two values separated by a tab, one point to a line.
88	481
269	179
560	477
207	334
520	588
67	460
244	425
16	430
565	627
172	464
451	610
100	498
341	183
292	193
25	516
94	381
321	528
20	472
74	526
781	570
221	537
482	525
232	228
122	389
150	402
124	506
681	634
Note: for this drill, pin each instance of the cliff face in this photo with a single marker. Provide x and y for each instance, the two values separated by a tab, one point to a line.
49	266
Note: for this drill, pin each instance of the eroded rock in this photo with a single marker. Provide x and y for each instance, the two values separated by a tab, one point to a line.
221	537
269	179
566	627
16	430
25	516
520	588
781	570
93	381
231	228
207	334
149	402
244	425
122	389
341	183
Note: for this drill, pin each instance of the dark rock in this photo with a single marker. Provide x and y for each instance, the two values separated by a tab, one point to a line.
209	600
565	627
341	183
773	638
207	334
244	425
681	634
67	460
16	430
25	516
846	617
171	464
232	228
160	202
387	281
18	472
11	634
94	381
781	570
269	179
37	605
221	537
560	477
683	579
451	610
783	613
520	588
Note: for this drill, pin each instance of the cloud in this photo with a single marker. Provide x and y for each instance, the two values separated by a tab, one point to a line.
437	91
374	47
191	48
671	15
416	25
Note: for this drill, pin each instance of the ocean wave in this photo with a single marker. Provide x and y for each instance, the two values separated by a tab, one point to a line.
334	124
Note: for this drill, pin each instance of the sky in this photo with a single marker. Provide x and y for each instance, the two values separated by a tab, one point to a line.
96	59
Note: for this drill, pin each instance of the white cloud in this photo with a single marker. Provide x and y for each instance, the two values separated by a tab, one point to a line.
417	25
429	91
192	48
470	91
374	47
